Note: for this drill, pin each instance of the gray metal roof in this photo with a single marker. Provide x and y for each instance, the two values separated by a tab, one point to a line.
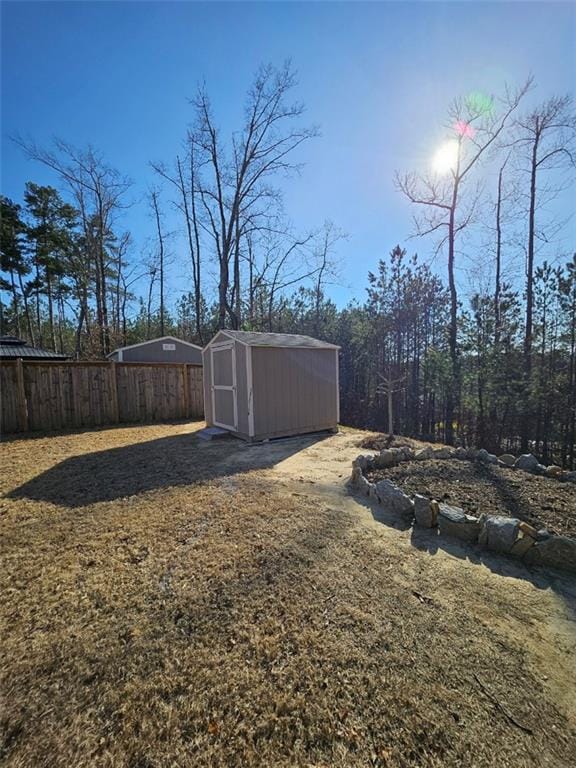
13	348
253	339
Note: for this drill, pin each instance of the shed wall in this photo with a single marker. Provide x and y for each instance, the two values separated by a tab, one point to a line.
241	384
294	390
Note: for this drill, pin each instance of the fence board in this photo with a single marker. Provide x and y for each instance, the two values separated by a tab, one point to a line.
56	395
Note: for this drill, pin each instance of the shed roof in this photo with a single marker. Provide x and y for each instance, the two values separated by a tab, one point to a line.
254	339
153	341
12	348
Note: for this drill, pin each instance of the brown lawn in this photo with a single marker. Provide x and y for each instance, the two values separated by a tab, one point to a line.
167	602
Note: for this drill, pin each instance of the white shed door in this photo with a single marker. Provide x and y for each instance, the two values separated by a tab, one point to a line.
224	397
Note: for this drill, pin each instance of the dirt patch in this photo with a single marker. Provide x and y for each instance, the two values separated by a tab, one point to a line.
231	605
477	488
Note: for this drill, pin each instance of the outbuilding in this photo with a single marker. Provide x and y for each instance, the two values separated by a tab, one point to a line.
166	349
266	385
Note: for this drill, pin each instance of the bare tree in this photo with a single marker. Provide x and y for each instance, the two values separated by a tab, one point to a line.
475	127
235	183
388	386
545	140
156	210
183	177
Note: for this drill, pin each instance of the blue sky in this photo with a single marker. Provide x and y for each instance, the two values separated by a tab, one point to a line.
376	78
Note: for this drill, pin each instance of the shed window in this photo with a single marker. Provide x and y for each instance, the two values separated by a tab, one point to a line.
169	347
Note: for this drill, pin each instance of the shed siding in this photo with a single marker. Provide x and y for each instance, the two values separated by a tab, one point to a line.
207	378
153	352
295	390
241	388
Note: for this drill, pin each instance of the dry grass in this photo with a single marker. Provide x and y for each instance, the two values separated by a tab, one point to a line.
225	613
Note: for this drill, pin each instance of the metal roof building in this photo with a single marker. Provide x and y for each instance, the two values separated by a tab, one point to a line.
166	349
265	385
12	348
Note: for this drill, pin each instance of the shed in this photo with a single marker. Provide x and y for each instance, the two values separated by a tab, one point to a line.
166	349
265	385
12	348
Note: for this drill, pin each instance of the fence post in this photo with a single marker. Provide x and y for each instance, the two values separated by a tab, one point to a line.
114	388
185	391
22	403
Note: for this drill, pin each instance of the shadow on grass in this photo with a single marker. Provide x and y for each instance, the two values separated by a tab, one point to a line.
429	540
166	462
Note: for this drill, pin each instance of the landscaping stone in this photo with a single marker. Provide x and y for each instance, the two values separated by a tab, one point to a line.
553	471
508	459
460	453
389	457
365	486
423	512
356	474
522	545
556	551
500	533
360	462
569	477
543	534
471	453
424	453
485	457
453	521
540	469
441	453
527	462
528	529
393	498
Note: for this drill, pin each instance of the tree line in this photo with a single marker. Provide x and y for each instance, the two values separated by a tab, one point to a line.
493	365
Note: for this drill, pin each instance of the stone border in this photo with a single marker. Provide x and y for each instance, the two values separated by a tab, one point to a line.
505	535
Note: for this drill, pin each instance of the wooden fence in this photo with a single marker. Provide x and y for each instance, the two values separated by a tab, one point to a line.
38	395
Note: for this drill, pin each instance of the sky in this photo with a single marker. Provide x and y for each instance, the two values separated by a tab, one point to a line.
376	78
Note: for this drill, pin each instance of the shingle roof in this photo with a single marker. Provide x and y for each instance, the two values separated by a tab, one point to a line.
11	347
253	339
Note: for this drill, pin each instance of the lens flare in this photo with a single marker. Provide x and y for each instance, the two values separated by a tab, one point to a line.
479	103
446	157
464	129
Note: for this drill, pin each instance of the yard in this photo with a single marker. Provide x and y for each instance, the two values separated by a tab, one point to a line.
169	602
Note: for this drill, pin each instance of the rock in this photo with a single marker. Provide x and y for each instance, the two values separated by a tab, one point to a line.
361	462
424	454
460	453
553	471
556	551
389	457
471	453
407	453
540	469
543	534
527	462
442	453
569	477
393	498
528	529
501	533
364	486
423	512
508	459
522	545
485	457
453	521
356	475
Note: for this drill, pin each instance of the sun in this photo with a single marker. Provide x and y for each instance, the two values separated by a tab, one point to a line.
446	157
